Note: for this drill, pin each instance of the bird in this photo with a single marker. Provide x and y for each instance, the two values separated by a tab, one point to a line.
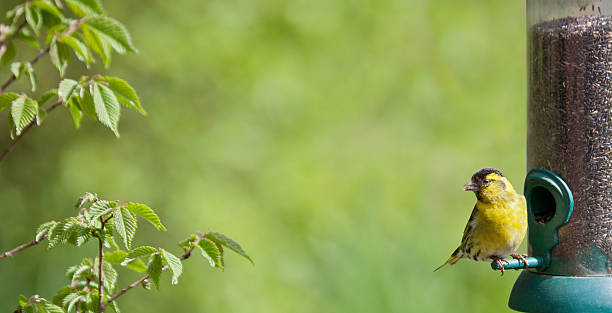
498	222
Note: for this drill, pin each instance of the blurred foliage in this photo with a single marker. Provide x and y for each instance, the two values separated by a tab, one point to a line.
331	138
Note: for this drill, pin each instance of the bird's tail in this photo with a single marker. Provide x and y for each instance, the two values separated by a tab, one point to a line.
452	260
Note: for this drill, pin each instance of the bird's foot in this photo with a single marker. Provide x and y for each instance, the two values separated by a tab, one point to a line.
521	257
499	262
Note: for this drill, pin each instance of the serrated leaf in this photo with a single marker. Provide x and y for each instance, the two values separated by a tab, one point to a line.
85	199
43	229
29	71
141	251
107	107
110	30
87	105
155	268
147	213
110	277
53	31
211	252
101	208
99	46
33	17
125	93
17	69
23	112
228	242
174	264
125	225
66	89
79	48
8	56
76	113
71	301
115	307
61	295
48	7
50	307
60	56
85	7
6	99
187	243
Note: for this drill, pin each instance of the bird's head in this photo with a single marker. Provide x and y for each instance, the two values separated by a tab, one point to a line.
488	184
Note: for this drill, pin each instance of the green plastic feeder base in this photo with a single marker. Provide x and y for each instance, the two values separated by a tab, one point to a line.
546	293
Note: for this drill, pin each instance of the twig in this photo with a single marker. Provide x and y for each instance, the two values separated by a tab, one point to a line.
73	27
23	246
138	282
7	42
100	265
11	146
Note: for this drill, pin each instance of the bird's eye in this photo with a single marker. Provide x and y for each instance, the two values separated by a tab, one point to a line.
486	181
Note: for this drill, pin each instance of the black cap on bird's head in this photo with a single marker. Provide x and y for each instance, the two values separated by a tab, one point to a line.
479	179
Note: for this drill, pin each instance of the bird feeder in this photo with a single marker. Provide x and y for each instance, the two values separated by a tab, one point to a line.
568	187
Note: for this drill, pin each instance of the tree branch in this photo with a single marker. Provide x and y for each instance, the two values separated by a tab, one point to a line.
100	266
23	246
11	146
141	280
7	42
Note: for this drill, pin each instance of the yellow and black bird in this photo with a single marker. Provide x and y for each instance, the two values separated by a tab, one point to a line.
498	222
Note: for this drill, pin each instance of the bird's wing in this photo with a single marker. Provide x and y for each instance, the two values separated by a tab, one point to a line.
468	228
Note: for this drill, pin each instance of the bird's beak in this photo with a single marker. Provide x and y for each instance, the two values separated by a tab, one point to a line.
471	186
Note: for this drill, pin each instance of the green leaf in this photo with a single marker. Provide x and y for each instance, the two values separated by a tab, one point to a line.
79	48
211	252
86	199
17	68
228	242
9	55
6	99
23	112
15	13
76	113
135	265
50	307
33	17
187	243
48	7
26	36
87	104
141	251
147	213
23	301
107	107
61	295
155	268
113	32
43	229
110	277
85	7
117	256
29	70
174	264
125	93
60	56
125	225
46	96
99	46
66	89
40	117
101	208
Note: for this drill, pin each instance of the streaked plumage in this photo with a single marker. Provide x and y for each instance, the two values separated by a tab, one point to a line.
498	223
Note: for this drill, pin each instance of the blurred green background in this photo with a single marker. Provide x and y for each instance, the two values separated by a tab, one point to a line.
330	138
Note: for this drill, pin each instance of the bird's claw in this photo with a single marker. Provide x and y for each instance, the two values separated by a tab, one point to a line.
522	258
500	264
